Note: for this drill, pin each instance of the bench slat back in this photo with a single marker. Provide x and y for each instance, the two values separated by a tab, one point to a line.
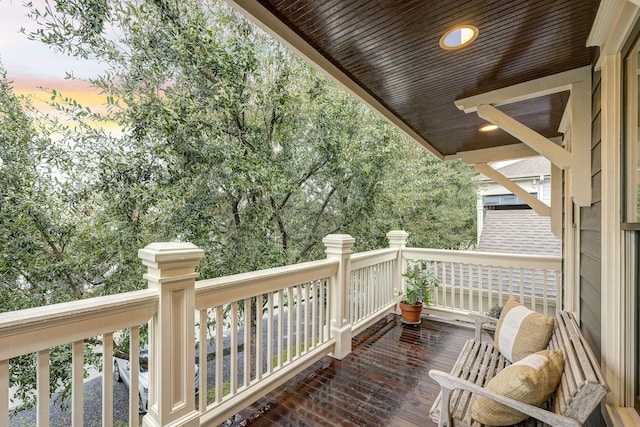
581	386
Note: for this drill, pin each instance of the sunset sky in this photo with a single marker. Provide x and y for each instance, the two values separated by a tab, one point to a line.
31	65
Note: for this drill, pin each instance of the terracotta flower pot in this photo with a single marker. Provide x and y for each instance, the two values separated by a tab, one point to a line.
411	313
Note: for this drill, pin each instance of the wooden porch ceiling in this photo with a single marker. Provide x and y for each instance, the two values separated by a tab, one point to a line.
387	53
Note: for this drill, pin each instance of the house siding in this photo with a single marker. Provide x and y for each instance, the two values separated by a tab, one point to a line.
590	236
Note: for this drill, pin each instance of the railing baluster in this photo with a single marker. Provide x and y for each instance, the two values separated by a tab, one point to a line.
500	284
292	307
281	315
321	308
522	274
510	281
219	352
247	342
107	379
270	325
351	292
370	291
307	309
491	287
450	268
43	382
259	343
460	285
233	356
134	366
299	308
473	268
314	313
4	392
544	292
357	297
77	383
328	297
202	360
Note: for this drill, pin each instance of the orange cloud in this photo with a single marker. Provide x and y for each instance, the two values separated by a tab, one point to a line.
39	91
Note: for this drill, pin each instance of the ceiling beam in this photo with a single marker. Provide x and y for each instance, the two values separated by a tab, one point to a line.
494	154
528	90
556	154
260	15
536	204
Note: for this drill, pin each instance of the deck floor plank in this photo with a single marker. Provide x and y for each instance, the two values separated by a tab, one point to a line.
383	382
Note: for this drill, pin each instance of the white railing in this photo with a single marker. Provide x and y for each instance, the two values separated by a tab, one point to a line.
257	329
372	289
477	281
250	332
38	330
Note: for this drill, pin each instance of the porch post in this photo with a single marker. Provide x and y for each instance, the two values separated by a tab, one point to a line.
338	247
398	240
171	272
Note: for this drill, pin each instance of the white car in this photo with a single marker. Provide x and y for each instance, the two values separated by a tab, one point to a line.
121	374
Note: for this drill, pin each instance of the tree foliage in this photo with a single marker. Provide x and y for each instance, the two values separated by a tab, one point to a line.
226	139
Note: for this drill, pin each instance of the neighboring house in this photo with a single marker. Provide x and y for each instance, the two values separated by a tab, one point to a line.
505	222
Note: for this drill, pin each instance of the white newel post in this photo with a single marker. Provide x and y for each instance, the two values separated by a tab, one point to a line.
398	240
338	247
171	271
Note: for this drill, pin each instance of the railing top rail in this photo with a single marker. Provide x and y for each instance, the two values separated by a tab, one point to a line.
34	329
223	290
497	259
366	259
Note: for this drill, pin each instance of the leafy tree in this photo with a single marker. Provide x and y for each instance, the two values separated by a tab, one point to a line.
226	140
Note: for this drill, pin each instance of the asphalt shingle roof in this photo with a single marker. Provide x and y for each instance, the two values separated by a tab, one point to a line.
519	231
529	167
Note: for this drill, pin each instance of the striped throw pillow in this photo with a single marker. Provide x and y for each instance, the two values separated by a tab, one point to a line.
521	332
532	380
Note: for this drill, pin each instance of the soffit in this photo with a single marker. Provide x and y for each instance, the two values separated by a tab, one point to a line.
390	51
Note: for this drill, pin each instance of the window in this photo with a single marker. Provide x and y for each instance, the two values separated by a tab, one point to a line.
631	154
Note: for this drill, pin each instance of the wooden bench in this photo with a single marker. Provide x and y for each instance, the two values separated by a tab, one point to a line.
579	392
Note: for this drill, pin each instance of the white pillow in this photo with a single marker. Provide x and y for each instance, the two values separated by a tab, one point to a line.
521	332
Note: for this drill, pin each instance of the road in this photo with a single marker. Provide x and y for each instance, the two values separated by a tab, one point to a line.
92	408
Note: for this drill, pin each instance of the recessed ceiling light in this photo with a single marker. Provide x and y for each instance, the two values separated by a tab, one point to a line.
458	37
488	128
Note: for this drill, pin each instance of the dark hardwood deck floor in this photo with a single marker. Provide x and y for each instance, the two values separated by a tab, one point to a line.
383	382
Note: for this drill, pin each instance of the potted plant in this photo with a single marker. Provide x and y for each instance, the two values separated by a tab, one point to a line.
417	292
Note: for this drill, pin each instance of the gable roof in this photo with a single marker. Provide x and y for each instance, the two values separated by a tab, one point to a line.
529	167
520	231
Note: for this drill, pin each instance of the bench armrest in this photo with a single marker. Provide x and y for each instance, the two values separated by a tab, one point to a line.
480	320
449	382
